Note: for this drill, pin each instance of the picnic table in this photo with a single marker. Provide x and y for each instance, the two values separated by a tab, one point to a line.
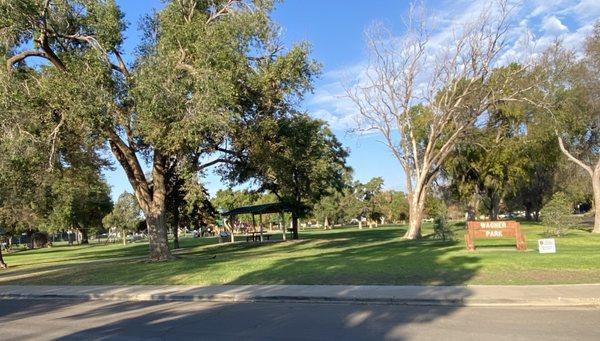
255	236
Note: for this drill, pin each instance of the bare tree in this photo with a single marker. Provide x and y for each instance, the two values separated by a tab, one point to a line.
423	95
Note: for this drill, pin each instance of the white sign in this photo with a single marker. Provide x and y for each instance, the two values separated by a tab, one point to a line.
547	245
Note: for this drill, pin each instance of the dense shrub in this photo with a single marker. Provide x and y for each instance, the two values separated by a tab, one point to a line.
556	214
441	229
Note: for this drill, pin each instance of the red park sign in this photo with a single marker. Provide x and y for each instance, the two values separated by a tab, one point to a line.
494	229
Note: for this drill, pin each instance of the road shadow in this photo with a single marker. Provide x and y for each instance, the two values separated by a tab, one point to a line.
106	320
367	257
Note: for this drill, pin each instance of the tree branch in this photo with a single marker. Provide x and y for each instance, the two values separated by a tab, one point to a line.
121	67
573	158
133	169
24	55
214	162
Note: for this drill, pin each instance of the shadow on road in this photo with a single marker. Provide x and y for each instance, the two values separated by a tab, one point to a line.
351	257
76	320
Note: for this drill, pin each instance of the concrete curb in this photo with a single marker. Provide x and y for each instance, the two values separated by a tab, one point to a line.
539	296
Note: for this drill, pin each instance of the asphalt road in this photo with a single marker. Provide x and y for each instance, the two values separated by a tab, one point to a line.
107	320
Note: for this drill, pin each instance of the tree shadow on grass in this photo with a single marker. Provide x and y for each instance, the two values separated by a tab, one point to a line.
348	257
92	252
385	263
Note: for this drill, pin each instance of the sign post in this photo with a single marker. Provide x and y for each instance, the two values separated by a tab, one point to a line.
494	229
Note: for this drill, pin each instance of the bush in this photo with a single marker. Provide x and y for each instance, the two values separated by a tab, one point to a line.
556	214
441	230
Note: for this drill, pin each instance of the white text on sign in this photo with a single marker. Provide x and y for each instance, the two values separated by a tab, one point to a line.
494	233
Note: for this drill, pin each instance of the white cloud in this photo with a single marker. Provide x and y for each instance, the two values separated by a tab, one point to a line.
553	25
587	9
537	24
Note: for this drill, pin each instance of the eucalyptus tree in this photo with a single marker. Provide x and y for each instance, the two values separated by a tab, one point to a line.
571	99
423	96
201	68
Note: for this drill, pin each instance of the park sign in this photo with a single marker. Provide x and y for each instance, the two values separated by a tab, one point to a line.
494	229
547	245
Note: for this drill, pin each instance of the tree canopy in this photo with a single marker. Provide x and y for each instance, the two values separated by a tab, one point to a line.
297	158
203	71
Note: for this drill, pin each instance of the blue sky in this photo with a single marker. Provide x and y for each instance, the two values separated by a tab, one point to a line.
335	28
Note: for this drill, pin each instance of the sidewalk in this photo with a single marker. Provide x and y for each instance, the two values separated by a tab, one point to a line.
476	295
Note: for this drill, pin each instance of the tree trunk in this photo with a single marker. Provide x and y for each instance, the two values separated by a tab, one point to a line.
470	212
155	217
494	206
596	186
415	219
175	237
124	235
176	228
84	236
150	198
294	226
157	236
528	216
360	223
2	264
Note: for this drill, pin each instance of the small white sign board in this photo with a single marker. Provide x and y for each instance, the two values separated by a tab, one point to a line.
547	245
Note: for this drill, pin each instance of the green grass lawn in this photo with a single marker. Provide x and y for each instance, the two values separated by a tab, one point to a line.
341	256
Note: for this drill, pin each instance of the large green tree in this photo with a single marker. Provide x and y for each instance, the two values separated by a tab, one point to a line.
361	202
393	205
297	158
203	67
571	99
494	160
80	198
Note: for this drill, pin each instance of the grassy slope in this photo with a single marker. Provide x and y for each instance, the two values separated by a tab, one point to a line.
344	256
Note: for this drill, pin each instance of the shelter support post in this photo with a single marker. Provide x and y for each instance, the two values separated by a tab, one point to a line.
260	221
282	224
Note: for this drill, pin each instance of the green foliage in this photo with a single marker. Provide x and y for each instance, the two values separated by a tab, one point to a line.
557	214
361	200
358	200
79	199
197	80
435	207
441	229
296	158
331	208
228	199
125	215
